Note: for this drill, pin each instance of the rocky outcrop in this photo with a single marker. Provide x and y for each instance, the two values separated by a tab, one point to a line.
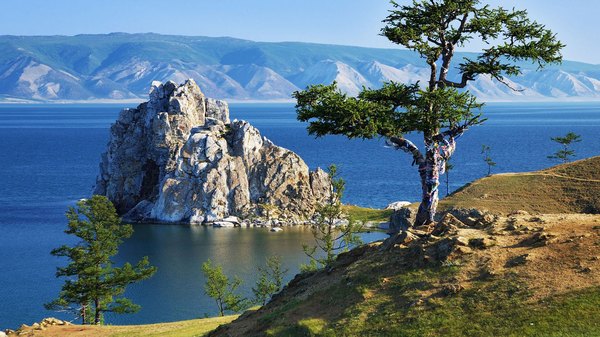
177	158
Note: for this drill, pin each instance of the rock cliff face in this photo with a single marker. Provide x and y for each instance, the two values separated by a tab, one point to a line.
177	158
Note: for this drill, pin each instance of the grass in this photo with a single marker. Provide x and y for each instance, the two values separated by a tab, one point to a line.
498	307
189	328
567	188
364	214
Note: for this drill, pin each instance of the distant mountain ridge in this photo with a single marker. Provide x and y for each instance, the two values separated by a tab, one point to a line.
121	66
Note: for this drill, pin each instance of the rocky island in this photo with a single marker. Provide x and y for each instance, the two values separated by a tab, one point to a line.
178	158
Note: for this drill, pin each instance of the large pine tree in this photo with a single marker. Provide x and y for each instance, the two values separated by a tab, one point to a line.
438	110
93	285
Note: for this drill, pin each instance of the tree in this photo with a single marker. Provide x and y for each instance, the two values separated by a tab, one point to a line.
222	290
447	168
485	151
270	280
94	286
331	234
269	210
434	29
565	153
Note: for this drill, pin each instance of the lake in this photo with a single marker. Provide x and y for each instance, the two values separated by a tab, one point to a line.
49	157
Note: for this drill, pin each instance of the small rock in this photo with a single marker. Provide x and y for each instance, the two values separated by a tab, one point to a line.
451	289
449	224
519	212
518	260
539	239
481	243
406	237
461	241
488	219
536	219
463	250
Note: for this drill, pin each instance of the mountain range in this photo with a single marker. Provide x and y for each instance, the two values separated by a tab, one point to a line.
121	66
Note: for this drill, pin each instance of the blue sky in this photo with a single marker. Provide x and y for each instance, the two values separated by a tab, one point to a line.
350	22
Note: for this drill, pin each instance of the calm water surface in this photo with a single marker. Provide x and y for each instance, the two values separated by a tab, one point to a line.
49	158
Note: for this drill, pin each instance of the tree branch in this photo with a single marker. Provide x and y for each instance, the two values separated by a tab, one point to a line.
466	77
407	146
432	81
461	28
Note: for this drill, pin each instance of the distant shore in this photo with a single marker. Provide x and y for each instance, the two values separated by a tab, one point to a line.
135	101
281	101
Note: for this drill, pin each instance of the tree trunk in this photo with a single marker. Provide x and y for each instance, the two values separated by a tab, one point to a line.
83	314
97	312
429	171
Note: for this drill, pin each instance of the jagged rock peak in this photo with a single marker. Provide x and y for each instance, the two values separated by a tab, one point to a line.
178	158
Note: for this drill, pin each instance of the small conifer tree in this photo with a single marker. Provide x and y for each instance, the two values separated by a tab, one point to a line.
94	285
566	152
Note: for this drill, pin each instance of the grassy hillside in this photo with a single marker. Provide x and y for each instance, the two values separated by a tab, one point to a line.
503	273
514	276
567	188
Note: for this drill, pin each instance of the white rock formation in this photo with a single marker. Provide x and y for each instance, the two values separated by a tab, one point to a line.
177	158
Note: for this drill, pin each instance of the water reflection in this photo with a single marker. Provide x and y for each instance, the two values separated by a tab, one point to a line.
176	291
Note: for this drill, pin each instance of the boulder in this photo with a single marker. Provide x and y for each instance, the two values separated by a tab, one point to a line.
223	224
179	159
403	218
473	217
398	205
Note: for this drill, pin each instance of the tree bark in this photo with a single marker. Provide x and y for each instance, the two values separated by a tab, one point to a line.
430	181
83	314
97	312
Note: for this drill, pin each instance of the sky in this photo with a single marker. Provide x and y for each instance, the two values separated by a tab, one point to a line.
348	22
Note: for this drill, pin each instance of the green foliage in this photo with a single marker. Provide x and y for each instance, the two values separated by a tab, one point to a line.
269	210
565	153
485	151
330	234
270	280
434	29
222	289
94	286
394	109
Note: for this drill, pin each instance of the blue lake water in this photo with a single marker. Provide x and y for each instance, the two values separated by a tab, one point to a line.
49	158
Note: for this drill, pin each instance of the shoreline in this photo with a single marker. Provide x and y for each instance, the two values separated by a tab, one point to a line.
278	101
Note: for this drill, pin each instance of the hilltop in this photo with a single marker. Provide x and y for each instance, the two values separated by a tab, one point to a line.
120	66
567	188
